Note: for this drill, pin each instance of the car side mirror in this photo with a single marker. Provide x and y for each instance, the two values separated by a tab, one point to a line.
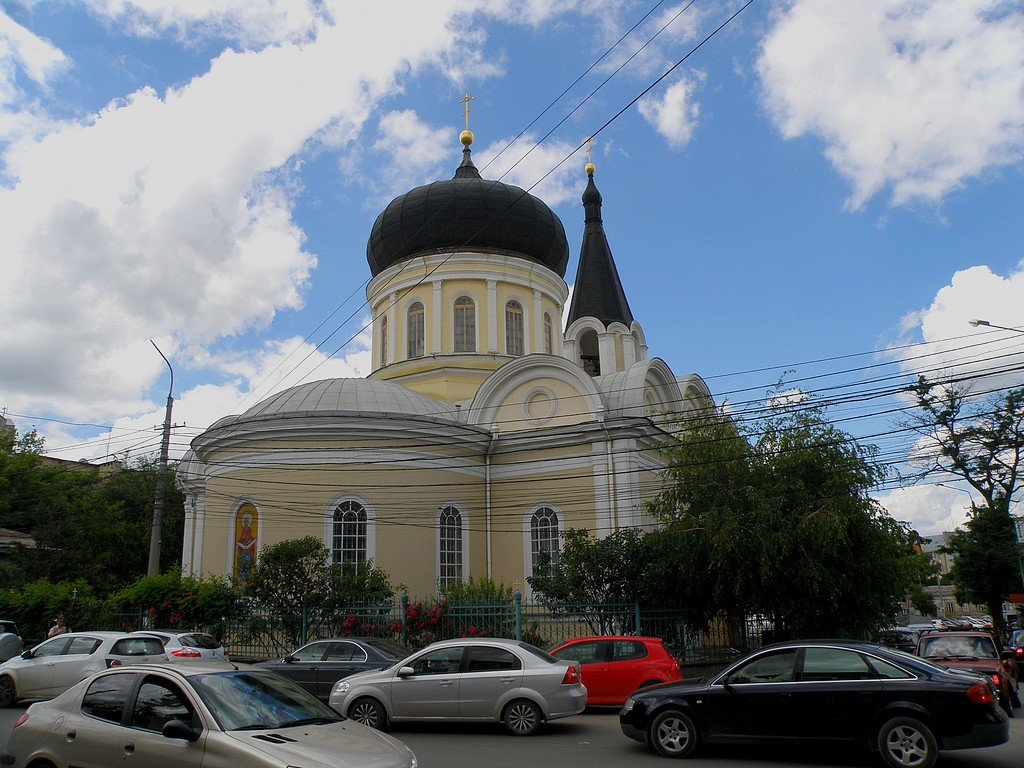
288	659
1009	655
27	654
406	672
179	729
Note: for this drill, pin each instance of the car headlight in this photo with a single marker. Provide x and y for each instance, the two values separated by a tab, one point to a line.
413	762
341	686
628	706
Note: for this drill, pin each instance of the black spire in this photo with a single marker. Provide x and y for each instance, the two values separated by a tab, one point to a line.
598	292
466	169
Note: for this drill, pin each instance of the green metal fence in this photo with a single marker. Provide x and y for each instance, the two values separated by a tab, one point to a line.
262	634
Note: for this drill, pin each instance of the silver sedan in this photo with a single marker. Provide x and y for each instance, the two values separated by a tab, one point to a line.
54	665
194	716
487	680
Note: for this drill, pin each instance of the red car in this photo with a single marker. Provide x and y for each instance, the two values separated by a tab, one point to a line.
978	652
614	667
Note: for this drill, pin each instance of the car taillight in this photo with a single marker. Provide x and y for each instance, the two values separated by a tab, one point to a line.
1019	653
571	676
980	693
113	663
22	720
186	653
996	680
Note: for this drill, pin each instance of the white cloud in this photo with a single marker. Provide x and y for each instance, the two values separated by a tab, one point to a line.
170	215
929	509
674	113
250	22
39	60
416	152
914	97
523	164
955	347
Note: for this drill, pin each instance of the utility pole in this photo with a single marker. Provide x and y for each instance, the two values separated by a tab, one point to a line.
161	478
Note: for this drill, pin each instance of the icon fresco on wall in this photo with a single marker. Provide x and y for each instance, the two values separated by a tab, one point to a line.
246	534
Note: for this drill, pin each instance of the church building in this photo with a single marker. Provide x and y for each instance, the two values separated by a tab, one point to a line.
484	430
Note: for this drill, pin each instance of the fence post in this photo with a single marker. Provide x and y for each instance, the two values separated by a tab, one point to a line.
636	613
517	601
305	625
405	609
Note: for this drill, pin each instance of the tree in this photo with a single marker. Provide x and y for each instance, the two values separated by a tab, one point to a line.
978	438
599	578
776	519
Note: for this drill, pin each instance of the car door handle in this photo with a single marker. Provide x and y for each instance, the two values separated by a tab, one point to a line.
445	683
129	748
508	679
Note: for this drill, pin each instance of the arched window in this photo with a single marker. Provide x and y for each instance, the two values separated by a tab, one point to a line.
384	340
465	325
450	546
348	545
590	353
415	330
548	347
514	329
543	538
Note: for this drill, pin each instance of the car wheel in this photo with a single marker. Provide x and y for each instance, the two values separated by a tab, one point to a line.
1007	704
522	717
905	742
673	734
369	712
7	691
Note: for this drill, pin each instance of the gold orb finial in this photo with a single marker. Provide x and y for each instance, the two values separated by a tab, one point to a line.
466	137
590	167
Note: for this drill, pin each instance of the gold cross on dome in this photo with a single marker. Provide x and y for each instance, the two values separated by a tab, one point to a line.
590	145
466	101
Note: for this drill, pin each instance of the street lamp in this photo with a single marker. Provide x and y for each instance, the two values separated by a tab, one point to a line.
1016	526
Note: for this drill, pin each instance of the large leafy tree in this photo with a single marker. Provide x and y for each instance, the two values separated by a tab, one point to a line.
978	438
776	519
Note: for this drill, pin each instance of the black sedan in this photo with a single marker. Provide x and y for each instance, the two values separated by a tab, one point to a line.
319	665
823	692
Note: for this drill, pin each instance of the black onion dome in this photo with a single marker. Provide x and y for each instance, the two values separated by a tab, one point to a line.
467	212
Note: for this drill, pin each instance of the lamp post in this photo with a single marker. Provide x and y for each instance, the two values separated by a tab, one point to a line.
155	532
1016	524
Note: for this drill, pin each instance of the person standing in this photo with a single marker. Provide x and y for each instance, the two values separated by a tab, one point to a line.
58	627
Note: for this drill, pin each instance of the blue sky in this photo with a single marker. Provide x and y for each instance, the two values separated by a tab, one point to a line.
820	179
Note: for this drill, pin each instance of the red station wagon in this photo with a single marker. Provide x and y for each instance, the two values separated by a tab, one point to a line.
614	667
978	652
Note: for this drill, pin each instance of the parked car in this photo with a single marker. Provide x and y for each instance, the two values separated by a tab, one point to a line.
471	679
194	715
11	643
614	667
187	646
902	638
1017	649
319	665
978	652
54	665
818	692
136	649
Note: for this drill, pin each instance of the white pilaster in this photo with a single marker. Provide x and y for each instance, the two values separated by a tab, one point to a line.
492	316
394	354
538	324
435	333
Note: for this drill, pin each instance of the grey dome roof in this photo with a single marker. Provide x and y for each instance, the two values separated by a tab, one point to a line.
467	212
350	396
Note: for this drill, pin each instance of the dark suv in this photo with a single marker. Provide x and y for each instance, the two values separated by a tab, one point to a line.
11	643
977	652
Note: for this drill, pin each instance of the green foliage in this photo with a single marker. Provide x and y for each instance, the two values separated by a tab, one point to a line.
481	590
780	523
173	601
986	557
33	606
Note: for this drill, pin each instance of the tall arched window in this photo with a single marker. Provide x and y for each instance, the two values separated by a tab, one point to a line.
514	329
384	340
544	538
465	325
348	545
450	546
415	330
548	346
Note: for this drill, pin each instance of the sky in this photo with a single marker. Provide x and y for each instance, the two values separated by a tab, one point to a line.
818	192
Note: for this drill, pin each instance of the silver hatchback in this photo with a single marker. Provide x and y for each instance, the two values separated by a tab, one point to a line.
486	680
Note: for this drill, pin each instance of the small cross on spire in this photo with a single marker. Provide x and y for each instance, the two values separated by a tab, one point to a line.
465	100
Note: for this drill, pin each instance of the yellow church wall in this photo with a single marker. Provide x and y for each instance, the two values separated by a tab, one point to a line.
542	402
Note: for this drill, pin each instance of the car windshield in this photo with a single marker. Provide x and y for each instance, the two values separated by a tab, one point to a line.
388	647
538	652
1017	638
958	648
199	640
246	700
